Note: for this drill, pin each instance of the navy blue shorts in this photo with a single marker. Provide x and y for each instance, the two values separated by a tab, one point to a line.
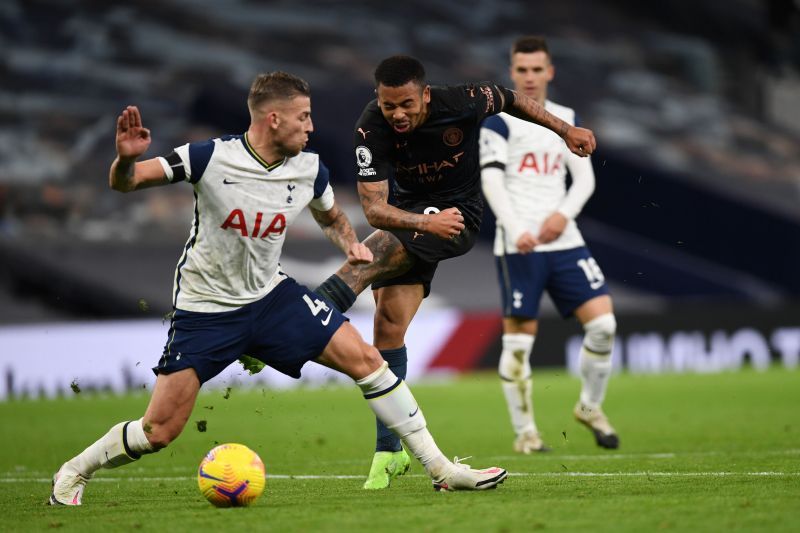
285	329
571	278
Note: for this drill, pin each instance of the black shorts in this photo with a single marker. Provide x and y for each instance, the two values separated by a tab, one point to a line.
427	250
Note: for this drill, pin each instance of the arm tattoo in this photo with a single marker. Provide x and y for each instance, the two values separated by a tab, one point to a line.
380	214
122	172
529	109
336	227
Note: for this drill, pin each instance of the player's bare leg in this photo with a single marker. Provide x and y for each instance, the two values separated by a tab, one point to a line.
514	370
599	324
396	306
169	408
392	402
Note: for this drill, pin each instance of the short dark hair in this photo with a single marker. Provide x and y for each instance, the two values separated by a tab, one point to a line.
276	86
398	70
530	44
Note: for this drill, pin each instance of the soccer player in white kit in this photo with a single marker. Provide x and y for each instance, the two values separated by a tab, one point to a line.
538	247
230	295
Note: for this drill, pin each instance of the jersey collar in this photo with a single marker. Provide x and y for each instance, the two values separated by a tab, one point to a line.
269	166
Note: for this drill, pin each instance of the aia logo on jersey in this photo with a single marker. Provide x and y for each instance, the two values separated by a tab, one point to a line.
237	221
540	165
453	136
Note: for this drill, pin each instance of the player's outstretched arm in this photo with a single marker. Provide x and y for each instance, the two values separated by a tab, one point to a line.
580	141
336	226
133	140
374	195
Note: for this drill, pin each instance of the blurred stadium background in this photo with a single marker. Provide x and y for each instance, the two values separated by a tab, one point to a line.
695	221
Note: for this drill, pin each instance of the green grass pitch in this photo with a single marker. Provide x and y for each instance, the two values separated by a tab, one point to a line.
698	453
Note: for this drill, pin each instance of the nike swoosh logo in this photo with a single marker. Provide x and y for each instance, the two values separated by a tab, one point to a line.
202	473
414	412
226	182
327	318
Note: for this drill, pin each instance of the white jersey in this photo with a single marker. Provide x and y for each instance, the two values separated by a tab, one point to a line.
535	161
243	206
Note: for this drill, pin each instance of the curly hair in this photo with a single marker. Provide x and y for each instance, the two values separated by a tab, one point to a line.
396	71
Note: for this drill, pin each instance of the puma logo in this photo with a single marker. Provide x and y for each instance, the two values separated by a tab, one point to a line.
363	133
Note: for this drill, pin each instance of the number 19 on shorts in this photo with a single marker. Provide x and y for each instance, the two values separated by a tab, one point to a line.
592	271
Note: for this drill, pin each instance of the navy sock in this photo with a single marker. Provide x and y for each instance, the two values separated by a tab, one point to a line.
337	293
386	440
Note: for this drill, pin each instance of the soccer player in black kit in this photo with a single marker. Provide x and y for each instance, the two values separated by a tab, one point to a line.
425	139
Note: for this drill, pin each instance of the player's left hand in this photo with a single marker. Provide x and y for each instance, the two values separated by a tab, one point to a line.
552	227
580	141
359	254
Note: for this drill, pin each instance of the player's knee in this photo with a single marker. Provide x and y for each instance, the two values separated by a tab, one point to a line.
391	331
515	357
386	327
599	333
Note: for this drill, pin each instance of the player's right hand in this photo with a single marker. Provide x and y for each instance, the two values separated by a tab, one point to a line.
445	224
526	243
359	254
132	138
580	141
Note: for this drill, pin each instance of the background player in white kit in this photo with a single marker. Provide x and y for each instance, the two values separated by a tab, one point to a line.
538	247
230	295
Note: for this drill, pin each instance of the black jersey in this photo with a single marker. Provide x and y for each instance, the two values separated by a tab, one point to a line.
438	161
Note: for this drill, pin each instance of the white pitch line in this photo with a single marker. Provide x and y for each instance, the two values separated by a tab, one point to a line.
490	458
585	457
653	474
515	474
614	456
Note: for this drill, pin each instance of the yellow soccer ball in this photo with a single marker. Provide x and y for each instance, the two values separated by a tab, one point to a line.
231	475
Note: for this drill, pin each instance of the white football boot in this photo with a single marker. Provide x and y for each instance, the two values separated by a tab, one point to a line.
68	486
459	476
596	420
530	442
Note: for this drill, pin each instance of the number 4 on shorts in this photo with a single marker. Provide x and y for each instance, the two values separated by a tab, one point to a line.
316	305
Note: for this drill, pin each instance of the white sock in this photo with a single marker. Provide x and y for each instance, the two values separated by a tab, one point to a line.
395	406
123	444
595	359
515	374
